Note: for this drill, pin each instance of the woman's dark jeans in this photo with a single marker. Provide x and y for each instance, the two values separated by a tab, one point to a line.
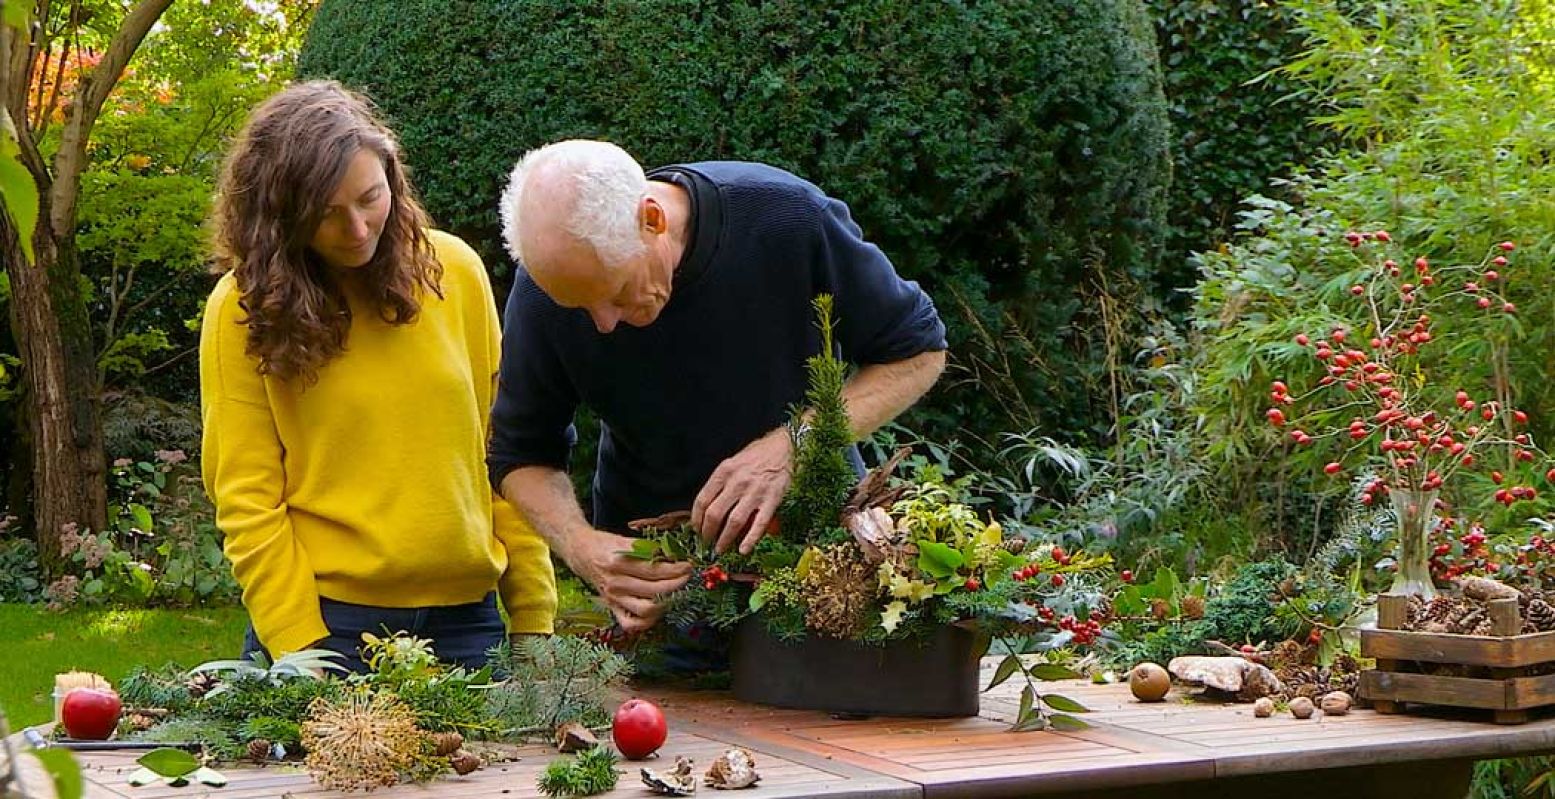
460	634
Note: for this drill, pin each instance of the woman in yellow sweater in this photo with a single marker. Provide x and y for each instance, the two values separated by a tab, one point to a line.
347	367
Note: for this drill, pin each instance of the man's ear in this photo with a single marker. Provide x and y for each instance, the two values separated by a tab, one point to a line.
652	216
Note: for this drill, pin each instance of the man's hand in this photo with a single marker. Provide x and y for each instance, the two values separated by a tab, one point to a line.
744	493
628	586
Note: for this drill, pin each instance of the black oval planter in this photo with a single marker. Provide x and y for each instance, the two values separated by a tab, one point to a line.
932	677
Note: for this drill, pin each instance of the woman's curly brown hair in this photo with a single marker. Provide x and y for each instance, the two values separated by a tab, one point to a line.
274	189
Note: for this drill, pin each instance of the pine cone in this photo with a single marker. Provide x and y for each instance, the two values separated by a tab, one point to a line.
1440	608
1014	546
1160	609
463	762
1414	614
139	722
1193	606
259	750
446	743
1539	617
201	684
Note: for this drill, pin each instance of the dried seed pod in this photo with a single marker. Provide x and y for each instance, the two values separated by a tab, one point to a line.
463	762
1301	707
1263	708
1336	703
446	743
1193	606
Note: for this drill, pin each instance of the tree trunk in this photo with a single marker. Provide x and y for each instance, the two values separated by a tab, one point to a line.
53	338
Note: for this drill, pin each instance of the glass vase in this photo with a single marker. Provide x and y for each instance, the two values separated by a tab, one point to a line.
1415	515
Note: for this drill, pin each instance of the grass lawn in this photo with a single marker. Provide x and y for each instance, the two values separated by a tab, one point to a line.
36	644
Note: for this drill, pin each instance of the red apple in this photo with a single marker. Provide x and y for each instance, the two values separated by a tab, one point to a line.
90	713
639	729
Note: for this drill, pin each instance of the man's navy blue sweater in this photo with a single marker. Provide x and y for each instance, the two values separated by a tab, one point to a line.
725	360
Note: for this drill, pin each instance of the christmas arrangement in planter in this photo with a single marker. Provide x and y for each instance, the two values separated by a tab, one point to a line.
879	596
1375	407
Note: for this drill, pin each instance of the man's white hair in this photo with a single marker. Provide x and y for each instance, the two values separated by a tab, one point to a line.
601	188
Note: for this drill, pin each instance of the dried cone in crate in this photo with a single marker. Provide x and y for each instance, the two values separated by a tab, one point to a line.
1539	617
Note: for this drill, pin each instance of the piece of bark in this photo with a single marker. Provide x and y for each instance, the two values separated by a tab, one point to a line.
1485	589
574	737
873	530
874	488
667	521
1241	678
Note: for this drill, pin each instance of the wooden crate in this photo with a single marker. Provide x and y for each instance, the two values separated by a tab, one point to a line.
1508	666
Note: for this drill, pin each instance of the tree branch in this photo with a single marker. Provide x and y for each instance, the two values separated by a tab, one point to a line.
88	103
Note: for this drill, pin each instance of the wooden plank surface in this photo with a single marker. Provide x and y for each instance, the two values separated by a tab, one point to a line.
1130	746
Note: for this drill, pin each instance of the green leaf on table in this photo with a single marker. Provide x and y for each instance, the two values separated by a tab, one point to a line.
63	771
169	762
1006	669
1064	721
1064	703
1052	671
1036	722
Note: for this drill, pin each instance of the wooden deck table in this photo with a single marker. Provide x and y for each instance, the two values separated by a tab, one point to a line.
1176	748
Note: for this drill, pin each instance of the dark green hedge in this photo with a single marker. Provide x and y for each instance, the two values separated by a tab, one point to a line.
1230	138
997	151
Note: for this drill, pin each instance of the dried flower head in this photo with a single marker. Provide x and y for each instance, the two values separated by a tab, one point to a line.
361	741
840	588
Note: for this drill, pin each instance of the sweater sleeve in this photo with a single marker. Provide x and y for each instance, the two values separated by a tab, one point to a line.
531	421
880	317
528	584
244	475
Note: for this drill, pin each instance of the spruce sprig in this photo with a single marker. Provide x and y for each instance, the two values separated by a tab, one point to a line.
591	772
822	477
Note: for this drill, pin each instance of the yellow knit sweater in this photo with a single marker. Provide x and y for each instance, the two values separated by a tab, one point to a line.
369	486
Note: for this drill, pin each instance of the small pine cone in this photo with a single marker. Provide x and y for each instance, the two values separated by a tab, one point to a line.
259	750
1414	613
1540	616
201	684
1014	546
446	743
1160	609
1440	608
1481	627
463	762
1193	606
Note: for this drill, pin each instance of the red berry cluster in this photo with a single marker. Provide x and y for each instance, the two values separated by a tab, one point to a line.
1085	632
1419	447
714	576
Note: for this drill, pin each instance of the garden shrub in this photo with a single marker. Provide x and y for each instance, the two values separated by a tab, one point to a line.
1229	138
1013	156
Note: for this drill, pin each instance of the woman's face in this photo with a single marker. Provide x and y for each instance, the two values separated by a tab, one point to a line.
348	234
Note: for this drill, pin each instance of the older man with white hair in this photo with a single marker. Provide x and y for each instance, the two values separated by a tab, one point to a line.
712	267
